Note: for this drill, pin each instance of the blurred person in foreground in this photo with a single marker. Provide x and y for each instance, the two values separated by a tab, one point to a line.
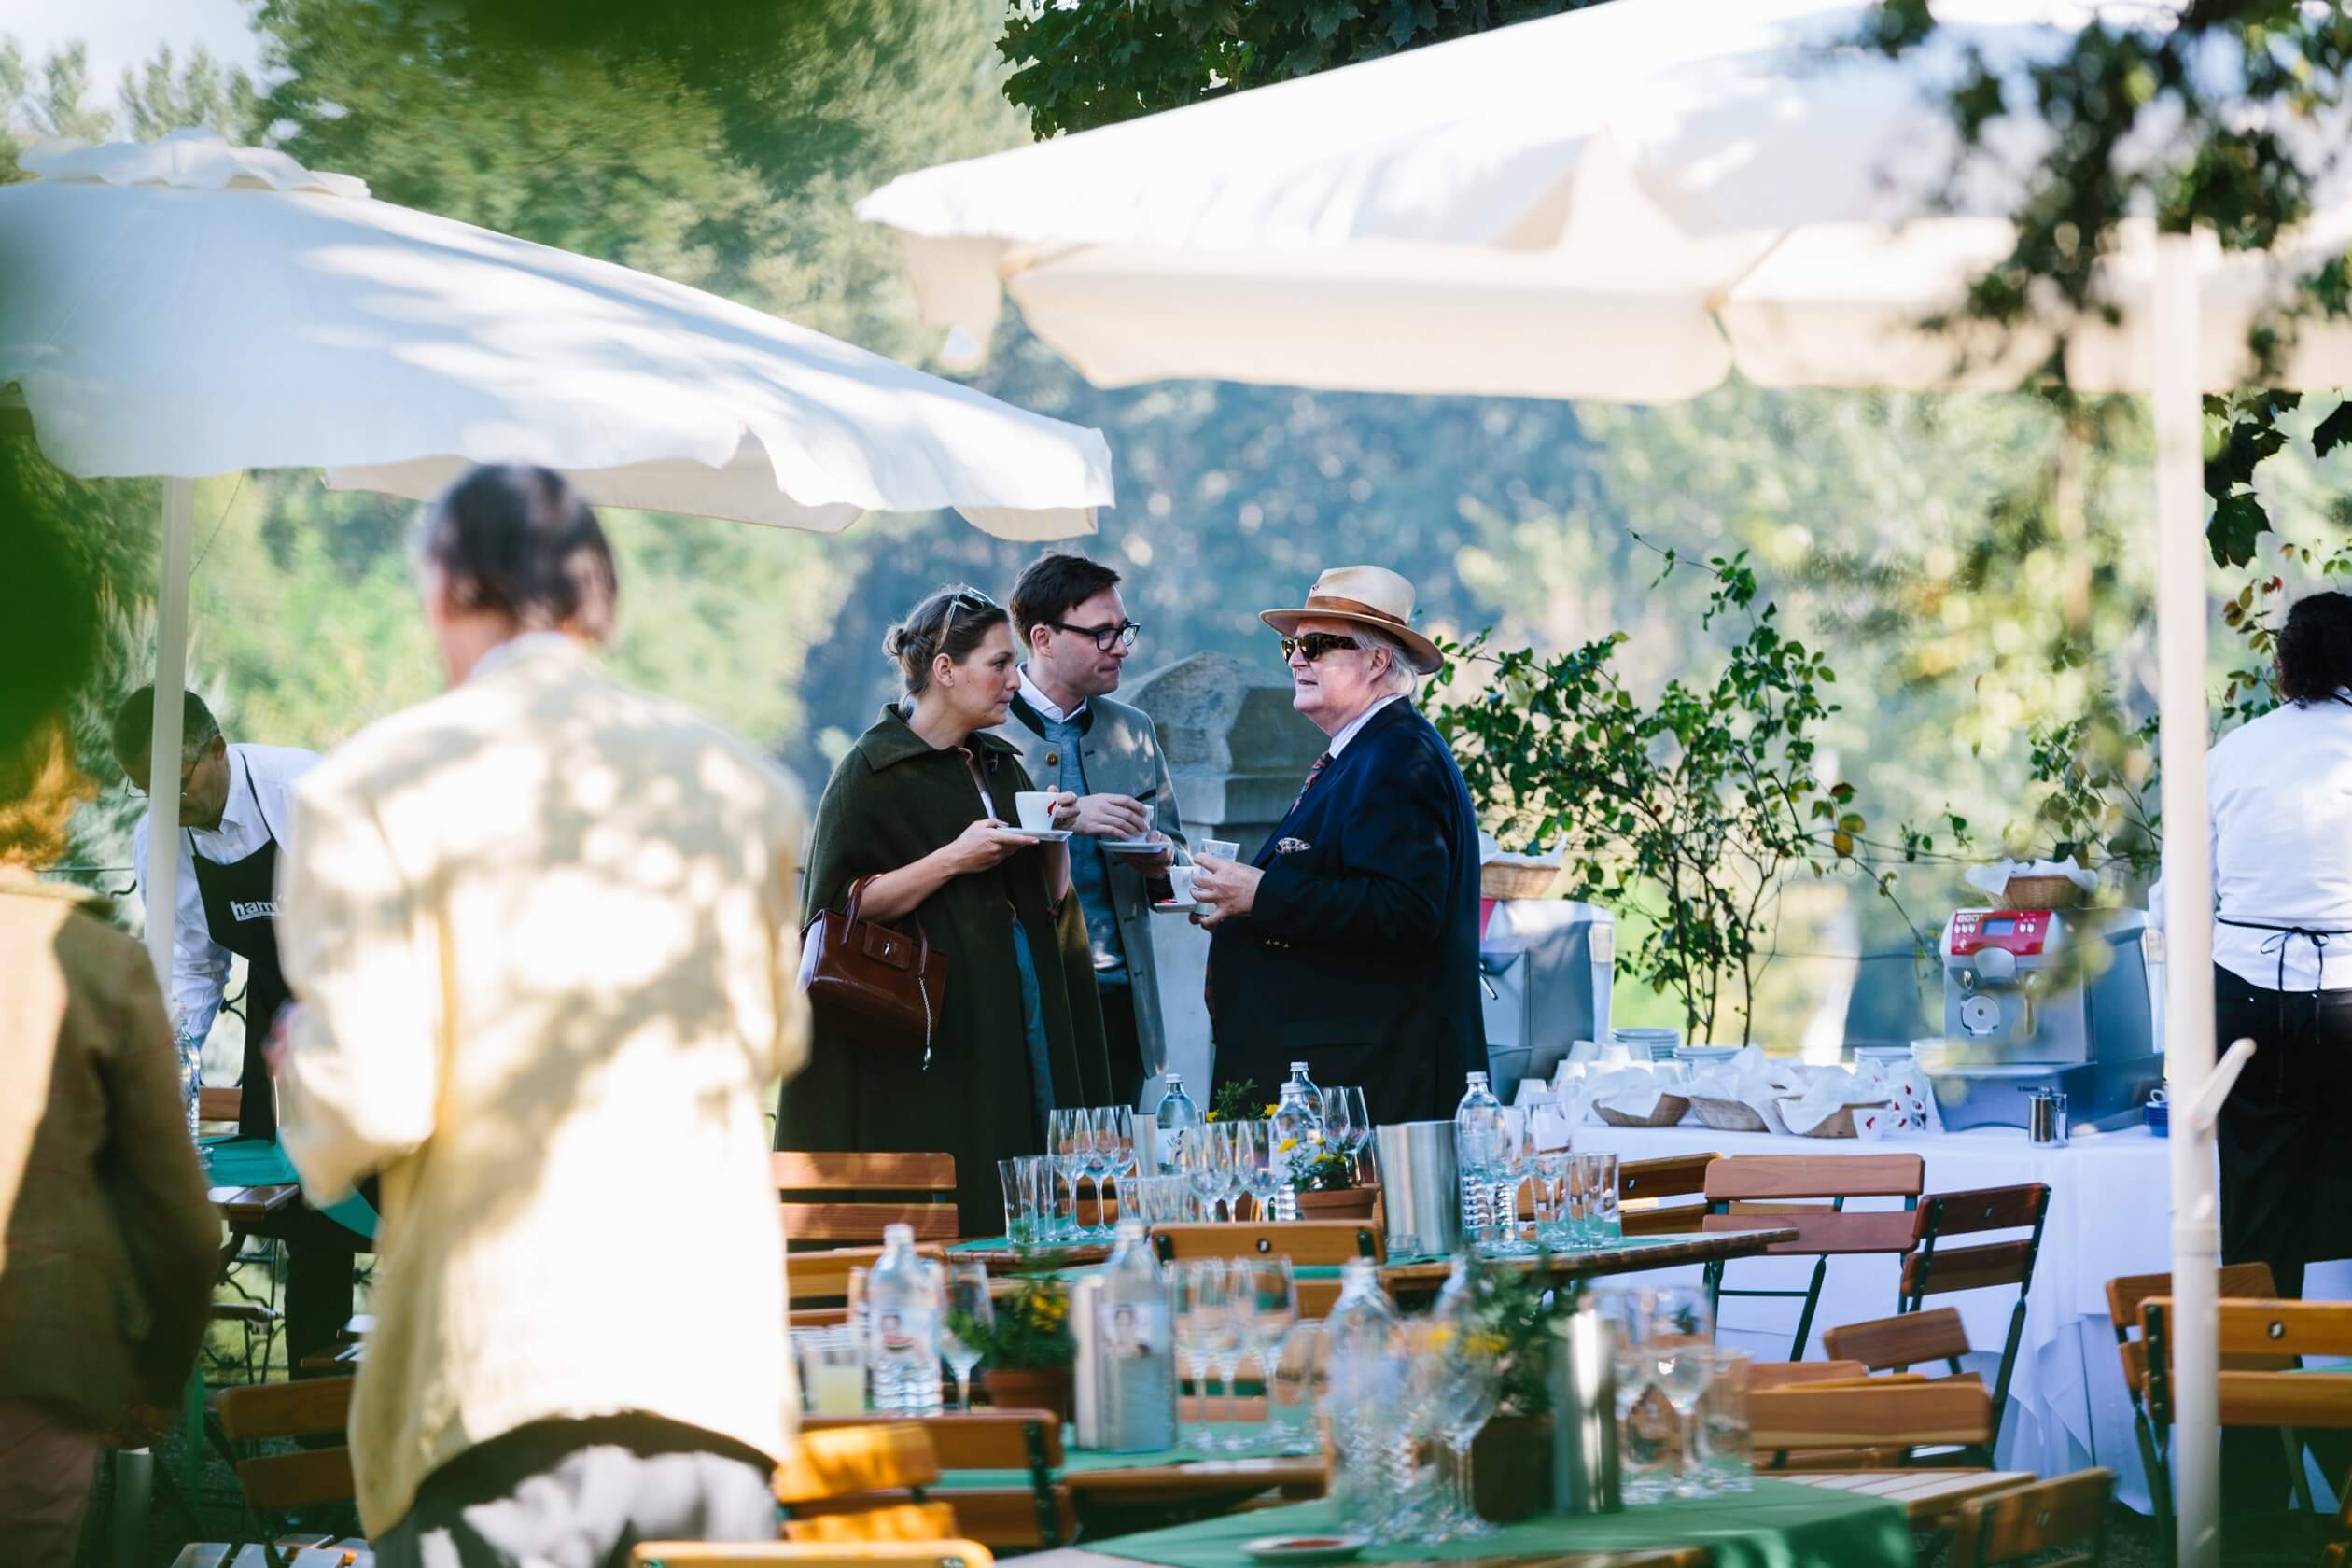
1074	735
1352	941
920	804
540	936
108	1243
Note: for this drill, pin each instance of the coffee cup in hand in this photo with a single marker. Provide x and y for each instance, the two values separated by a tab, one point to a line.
1035	809
1180	879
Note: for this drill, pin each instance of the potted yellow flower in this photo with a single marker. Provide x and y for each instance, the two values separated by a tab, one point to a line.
1324	1181
1027	1353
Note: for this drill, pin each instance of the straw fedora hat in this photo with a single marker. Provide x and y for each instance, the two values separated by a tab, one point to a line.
1371	597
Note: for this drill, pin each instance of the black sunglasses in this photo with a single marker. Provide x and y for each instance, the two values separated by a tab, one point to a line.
1104	638
1316	644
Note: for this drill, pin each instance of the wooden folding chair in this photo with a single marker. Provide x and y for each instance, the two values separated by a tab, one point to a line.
274	1485
861	1483
1022	1517
817	1283
1785	1374
2274	1397
1936	1269
859	1195
1908	1339
2126	1295
2025	1521
1643	1185
1771	1181
890	1554
1878	1413
1308	1244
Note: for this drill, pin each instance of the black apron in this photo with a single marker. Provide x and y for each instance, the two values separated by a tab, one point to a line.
2285	1133
241	908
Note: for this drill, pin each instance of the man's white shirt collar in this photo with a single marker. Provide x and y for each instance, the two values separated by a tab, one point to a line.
517	646
1047	708
1340	741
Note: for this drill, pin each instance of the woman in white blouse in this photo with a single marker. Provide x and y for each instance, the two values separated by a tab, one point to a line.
2281	800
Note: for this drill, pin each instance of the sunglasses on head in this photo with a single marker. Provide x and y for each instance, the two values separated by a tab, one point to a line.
1316	644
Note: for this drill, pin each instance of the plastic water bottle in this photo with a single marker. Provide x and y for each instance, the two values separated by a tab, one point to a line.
190	1049
1477	1139
903	1297
1136	1347
1298	1130
1177	1117
1363	1369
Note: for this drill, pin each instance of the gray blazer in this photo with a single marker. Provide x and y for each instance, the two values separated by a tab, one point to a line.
1123	756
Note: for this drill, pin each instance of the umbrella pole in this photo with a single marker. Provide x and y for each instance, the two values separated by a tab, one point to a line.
162	892
2180	636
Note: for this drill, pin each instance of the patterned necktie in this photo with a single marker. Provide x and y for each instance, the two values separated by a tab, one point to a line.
1312	774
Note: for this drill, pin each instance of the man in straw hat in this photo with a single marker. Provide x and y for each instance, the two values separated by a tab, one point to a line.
1352	943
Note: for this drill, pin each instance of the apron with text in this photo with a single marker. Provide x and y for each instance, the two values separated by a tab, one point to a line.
241	908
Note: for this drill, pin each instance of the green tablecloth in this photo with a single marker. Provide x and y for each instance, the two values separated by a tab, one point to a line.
1779	1525
1081	1461
261	1162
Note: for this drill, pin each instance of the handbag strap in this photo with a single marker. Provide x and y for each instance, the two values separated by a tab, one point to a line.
922	938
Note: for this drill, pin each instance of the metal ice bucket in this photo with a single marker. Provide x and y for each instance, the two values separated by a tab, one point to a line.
1420	1188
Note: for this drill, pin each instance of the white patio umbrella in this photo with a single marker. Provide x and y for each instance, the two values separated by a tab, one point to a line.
1627	203
186	307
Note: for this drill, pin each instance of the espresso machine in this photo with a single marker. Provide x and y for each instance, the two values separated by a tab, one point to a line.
1544	969
2064	1000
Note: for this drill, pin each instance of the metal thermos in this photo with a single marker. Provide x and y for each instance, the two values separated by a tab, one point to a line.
1086	1332
2046	1117
1584	1414
1420	1189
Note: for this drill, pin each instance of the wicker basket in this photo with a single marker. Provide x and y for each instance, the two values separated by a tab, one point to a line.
1839	1123
2042	892
1727	1116
1501	879
1670	1110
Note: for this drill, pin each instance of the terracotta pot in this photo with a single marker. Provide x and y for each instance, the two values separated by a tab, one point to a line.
1511	1468
1029	1389
1350	1203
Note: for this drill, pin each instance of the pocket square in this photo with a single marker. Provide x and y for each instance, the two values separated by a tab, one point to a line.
1291	846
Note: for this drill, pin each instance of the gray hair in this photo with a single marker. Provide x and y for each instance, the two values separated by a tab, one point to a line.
1401	676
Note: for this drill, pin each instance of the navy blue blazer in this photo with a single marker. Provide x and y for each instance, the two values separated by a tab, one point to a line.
1359	957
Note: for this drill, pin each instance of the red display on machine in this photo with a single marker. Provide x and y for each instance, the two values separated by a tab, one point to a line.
2022	931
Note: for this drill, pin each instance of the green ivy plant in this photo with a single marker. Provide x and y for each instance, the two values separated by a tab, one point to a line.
1698	805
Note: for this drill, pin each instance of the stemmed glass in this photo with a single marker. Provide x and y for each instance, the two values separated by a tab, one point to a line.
1424	1510
1102	1159
1239	1152
1204	1322
1265	1304
965	1293
1203	1167
1346	1123
1675	1338
1624	1312
1268	1175
1125	1156
1472	1389
1069	1140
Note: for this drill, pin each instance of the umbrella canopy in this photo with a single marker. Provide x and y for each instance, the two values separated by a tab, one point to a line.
186	307
1625	202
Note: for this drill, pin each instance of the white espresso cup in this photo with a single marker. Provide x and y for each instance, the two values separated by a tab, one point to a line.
1035	809
1180	880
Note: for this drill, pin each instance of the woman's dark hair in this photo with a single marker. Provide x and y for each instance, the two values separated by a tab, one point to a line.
2315	651
953	622
520	541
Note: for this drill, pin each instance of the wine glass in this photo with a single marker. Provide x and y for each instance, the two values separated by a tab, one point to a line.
966	1299
1679	1328
1266	1292
1346	1121
1102	1158
1472	1389
1626	1315
1269	1173
1124	1154
1070	1142
1203	1316
1201	1168
1239	1149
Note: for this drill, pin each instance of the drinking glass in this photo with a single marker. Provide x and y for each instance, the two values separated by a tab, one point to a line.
1266	1297
833	1370
1029	1199
1470	1389
1295	1391
1680	1324
1425	1511
1506	1168
1238	1151
1103	1161
1727	1459
1070	1142
1558	1202
1601	1225
1203	1171
1347	1122
1203	1302
964	1292
1270	1175
1126	1152
1644	1473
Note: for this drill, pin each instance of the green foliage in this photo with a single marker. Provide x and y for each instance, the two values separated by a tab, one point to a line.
1236	1101
1031	1328
1078	67
1701	803
1518	1309
1317	1167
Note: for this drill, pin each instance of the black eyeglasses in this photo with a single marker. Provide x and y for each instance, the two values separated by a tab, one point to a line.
1105	637
186	775
1316	644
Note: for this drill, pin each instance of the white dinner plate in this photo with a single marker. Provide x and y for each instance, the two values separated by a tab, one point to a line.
1306	1549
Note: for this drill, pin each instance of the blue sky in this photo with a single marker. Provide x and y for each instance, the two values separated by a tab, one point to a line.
123	32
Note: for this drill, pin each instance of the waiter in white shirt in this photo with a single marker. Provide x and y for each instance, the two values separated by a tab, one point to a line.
236	808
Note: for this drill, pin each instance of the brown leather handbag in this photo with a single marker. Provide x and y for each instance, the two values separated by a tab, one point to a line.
882	985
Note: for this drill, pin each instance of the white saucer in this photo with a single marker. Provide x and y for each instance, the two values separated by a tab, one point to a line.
1047	835
1131	847
1172	907
1305	1548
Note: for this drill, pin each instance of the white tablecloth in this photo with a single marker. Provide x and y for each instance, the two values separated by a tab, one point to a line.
2109	1213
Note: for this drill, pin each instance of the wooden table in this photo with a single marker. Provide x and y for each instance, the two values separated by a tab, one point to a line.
248	1206
1930	1497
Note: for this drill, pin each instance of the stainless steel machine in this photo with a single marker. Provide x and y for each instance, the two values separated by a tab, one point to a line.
2049	1000
1545	968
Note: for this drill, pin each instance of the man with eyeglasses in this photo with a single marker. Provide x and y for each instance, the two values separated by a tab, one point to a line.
1351	941
237	812
1076	636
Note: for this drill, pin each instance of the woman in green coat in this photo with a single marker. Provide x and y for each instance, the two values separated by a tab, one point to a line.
920	804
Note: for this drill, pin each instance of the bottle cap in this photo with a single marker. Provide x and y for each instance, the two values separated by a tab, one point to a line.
893	1235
